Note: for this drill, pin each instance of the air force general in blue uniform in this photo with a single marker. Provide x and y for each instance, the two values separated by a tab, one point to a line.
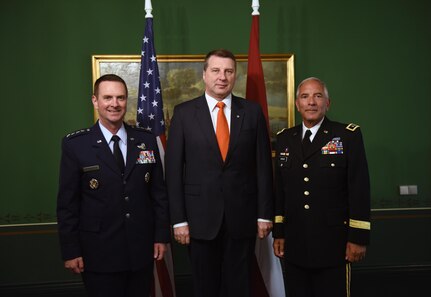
113	221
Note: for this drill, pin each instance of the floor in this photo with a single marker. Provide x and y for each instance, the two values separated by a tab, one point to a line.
392	283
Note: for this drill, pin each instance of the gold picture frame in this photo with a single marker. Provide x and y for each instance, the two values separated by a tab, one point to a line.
181	80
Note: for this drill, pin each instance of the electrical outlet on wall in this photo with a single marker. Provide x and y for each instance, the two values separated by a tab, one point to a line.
409	190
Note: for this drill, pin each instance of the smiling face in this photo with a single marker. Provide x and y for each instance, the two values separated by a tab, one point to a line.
312	102
219	77
111	101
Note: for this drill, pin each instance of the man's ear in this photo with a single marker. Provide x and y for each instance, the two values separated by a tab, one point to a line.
94	101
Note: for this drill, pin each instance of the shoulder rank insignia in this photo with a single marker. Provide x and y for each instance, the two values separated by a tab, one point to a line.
352	127
77	132
281	131
139	128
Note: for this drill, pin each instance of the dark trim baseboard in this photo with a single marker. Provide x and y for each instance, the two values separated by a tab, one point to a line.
362	274
57	289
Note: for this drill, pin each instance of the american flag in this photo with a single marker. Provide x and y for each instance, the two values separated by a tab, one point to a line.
149	115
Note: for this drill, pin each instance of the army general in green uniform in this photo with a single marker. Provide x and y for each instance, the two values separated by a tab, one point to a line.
322	220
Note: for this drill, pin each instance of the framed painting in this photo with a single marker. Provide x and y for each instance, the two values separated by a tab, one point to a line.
181	80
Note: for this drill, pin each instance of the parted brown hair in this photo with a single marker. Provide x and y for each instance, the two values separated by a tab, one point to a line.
222	53
108	77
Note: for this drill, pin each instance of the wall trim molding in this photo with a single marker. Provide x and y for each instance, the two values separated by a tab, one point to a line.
76	288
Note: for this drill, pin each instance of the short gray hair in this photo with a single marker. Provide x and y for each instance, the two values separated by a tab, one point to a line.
321	82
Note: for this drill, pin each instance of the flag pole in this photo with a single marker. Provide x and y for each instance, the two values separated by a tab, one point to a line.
255	89
149	115
255	5
148	9
268	275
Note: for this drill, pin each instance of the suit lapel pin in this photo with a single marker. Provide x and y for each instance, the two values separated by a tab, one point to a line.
325	131
237	116
99	141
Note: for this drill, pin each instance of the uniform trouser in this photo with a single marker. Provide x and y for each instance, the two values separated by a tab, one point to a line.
318	282
118	284
222	267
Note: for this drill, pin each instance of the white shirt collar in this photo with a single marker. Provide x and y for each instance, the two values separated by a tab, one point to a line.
313	129
212	102
120	133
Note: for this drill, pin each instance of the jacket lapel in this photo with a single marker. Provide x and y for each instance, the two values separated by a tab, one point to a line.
132	151
296	148
203	117
322	137
236	120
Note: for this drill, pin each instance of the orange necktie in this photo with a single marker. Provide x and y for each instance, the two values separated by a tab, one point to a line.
222	131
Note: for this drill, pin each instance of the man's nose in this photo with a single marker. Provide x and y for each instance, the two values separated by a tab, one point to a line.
114	102
311	100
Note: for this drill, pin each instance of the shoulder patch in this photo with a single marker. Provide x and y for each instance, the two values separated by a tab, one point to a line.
352	127
78	132
281	131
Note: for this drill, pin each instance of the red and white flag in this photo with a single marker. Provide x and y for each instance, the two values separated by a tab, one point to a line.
268	275
149	115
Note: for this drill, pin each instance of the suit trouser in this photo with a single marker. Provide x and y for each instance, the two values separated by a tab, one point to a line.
118	284
222	267
318	282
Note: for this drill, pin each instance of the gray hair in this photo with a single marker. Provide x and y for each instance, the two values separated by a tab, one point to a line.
321	82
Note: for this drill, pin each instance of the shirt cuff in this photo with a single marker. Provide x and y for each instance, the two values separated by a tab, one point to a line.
263	220
180	225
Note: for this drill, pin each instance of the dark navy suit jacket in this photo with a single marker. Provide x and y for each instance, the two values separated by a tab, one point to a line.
111	220
204	190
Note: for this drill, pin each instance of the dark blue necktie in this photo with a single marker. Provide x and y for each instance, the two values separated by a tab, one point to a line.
306	143
117	153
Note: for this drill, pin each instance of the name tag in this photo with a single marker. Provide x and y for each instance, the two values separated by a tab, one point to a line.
91	168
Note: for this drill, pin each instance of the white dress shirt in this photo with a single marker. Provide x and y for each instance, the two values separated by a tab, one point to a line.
212	106
313	130
123	139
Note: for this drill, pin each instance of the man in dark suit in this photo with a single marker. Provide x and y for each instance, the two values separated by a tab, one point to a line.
322	198
112	204
219	183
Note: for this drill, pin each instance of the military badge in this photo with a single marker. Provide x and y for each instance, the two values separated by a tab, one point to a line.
334	147
285	152
147	177
146	157
141	146
352	127
94	184
283	155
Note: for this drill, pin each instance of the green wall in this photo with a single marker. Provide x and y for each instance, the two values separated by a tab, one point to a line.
374	56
